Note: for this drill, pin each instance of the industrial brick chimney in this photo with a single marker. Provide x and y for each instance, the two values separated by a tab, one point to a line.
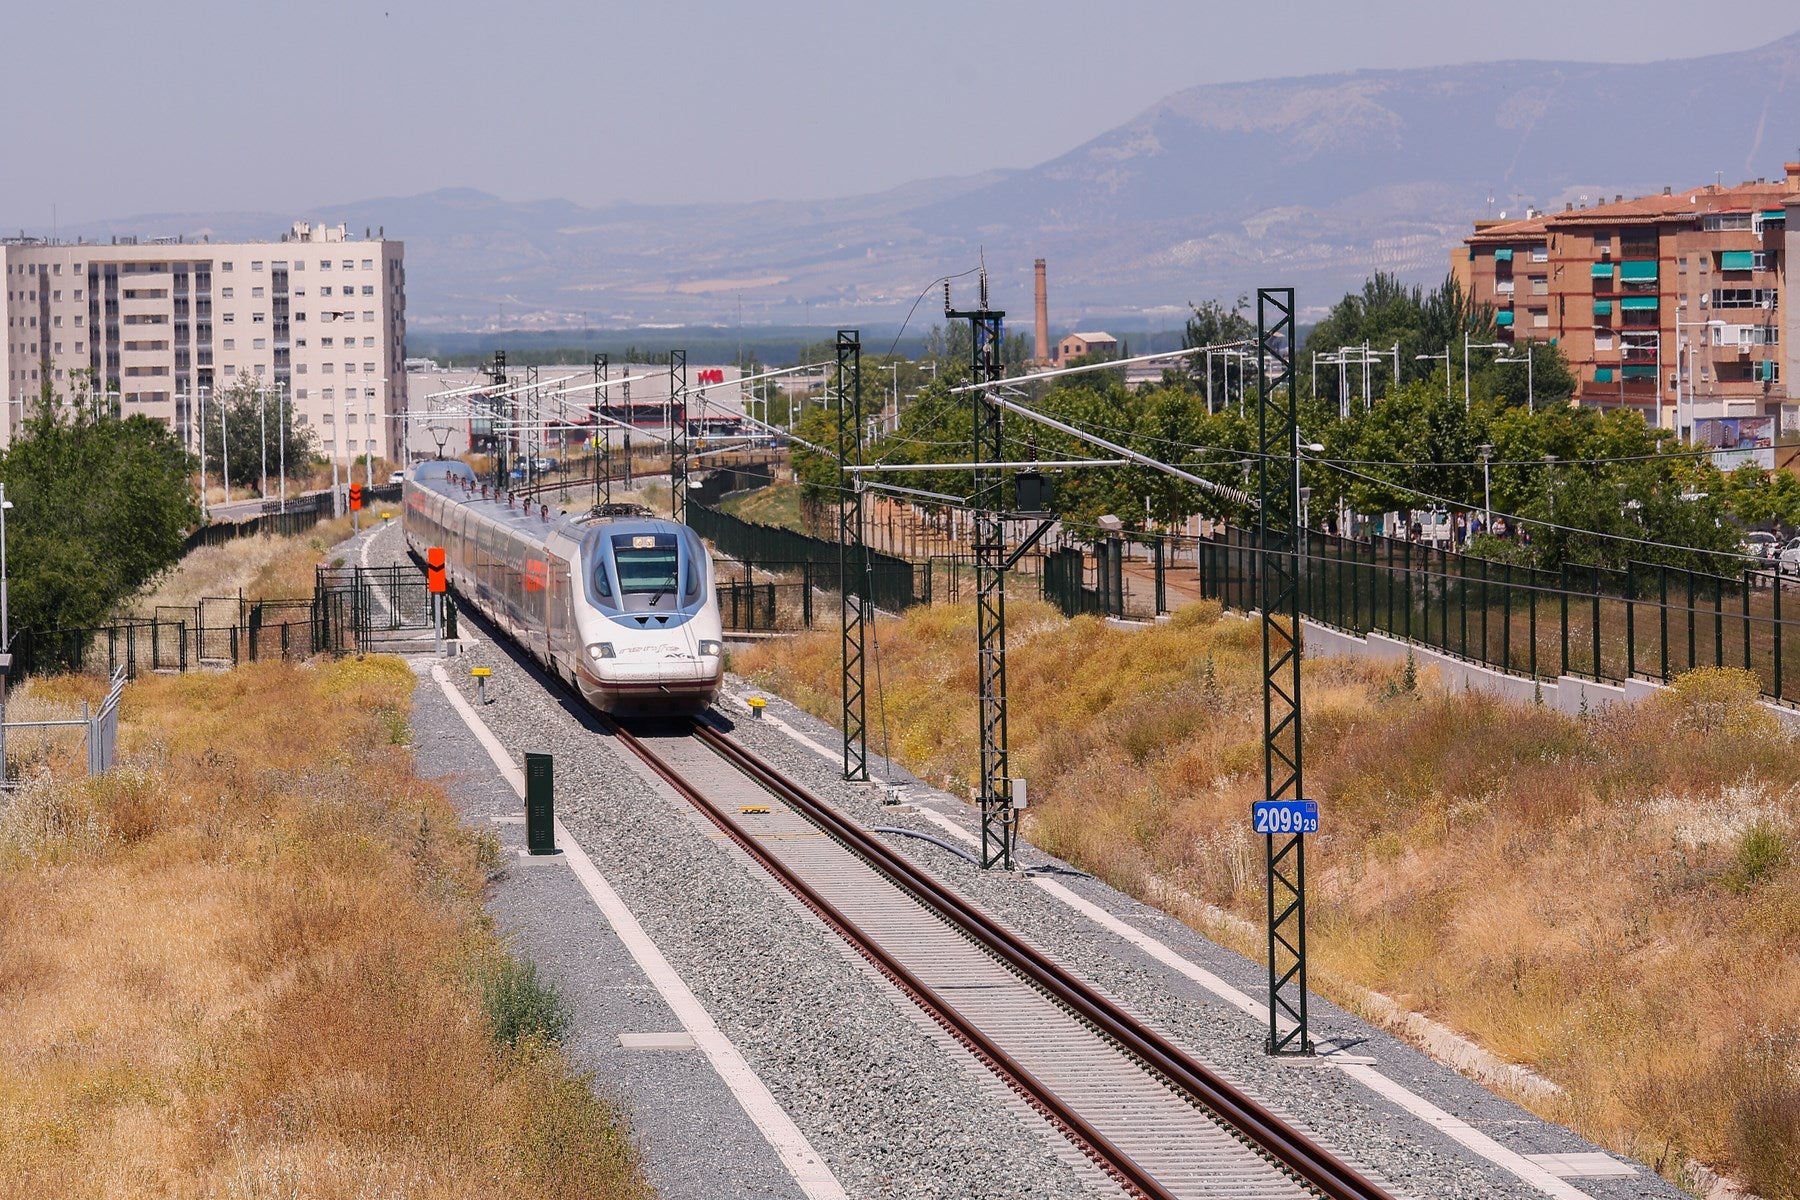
1042	348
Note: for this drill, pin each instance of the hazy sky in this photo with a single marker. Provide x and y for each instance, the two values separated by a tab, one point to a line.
112	109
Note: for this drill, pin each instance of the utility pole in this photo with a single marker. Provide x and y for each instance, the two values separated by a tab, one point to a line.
496	439
998	818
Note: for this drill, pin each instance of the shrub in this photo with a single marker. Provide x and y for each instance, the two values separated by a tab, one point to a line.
519	1005
1761	852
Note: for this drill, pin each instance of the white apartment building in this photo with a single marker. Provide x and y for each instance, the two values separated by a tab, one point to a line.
161	328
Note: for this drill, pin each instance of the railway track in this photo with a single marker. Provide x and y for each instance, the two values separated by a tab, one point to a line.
1160	1123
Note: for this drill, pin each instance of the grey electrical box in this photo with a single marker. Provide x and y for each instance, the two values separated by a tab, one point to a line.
1031	493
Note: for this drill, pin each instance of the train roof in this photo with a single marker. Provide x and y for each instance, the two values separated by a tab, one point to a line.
447	478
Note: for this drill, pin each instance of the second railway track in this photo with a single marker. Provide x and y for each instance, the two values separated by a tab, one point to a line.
1158	1121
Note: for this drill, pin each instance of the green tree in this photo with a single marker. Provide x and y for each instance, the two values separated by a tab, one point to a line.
101	507
1215	375
256	419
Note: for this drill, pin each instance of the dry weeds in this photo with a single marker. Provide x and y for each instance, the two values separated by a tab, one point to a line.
249	962
1613	900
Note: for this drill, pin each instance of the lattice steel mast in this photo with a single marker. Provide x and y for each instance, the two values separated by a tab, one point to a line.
853	582
1279	599
602	440
998	820
678	437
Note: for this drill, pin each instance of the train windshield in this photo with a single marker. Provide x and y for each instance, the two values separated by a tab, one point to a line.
648	563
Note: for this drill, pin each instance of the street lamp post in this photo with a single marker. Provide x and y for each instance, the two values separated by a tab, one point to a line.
339	438
281	432
262	415
5	616
1530	381
1487	494
224	453
1468	346
1685	363
1445	356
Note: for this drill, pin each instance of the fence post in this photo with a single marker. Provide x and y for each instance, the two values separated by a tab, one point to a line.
1596	622
1693	614
1563	593
806	595
181	638
1777	622
1718	620
1630	622
1662	612
1406	587
1531	594
1484	613
1506	619
1749	581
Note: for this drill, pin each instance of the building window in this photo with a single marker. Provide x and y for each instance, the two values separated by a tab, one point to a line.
260	344
300	418
325	341
224	266
368	316
1540	253
349	264
1540	285
230	369
1725	222
227	318
258	318
1540	318
368	368
56	295
299	368
230	344
256	266
256	293
368	289
325	367
368	393
225	293
324	264
329	395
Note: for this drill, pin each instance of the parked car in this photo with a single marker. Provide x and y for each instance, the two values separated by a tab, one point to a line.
397	477
1789	562
545	464
1760	546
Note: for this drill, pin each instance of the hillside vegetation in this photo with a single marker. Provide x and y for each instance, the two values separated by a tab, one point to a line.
1613	900
253	962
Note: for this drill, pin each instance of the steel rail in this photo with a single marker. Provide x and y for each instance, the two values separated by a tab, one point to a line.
1070	1123
1261	1128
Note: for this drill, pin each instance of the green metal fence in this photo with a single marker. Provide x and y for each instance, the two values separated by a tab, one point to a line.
1648	621
890	581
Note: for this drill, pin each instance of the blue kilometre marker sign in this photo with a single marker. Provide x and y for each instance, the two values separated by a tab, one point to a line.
1285	816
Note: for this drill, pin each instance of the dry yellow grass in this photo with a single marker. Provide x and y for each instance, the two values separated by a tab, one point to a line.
1613	900
263	568
248	964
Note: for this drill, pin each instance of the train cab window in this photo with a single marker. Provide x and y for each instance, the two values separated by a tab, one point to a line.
648	564
602	580
696	569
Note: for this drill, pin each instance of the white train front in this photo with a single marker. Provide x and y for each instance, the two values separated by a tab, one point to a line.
621	605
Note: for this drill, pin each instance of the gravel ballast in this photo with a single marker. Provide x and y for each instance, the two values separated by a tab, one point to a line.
894	1107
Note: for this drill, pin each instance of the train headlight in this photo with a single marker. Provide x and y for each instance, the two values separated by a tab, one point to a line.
600	650
710	649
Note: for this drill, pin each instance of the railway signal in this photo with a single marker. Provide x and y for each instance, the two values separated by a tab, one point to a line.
437	584
356	499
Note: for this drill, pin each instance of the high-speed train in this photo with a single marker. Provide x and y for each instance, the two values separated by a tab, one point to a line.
618	602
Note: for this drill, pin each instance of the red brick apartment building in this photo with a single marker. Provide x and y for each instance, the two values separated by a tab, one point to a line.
1671	305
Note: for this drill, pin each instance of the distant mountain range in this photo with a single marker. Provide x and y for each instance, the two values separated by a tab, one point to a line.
1213	191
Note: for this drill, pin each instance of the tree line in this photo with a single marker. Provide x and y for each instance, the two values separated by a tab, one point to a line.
1590	486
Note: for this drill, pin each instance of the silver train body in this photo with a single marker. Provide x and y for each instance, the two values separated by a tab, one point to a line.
622	606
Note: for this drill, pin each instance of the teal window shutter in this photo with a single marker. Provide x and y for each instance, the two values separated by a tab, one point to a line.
1503	254
1638	303
1602	270
1503	318
1641	270
1603	374
1736	260
1603	308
